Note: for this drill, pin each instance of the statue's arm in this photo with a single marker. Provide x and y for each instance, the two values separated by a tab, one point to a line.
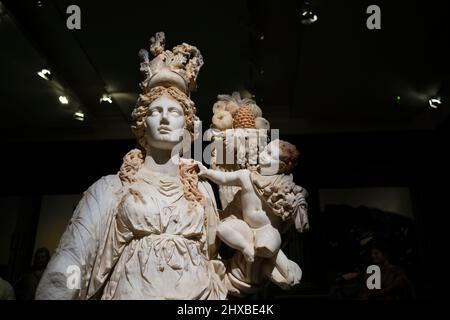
223	178
78	245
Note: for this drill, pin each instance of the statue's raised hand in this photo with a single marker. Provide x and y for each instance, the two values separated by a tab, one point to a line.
203	171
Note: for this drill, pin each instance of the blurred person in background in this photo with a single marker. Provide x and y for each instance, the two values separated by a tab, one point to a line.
26	286
395	285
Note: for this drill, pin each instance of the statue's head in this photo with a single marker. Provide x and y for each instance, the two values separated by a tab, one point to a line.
164	114
278	157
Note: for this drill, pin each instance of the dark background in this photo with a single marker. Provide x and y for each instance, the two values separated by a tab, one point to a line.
330	87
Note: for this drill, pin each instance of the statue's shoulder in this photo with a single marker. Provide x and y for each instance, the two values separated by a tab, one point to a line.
111	180
105	185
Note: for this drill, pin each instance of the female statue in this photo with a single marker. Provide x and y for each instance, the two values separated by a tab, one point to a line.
143	233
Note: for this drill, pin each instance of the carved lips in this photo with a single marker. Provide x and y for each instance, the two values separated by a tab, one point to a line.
164	129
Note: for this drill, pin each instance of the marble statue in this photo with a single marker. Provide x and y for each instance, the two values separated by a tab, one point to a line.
260	201
153	230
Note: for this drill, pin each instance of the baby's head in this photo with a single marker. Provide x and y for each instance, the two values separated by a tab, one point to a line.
278	157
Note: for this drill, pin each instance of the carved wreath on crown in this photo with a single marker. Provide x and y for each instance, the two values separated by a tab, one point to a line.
184	59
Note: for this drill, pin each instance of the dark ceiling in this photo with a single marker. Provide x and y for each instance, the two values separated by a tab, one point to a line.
332	76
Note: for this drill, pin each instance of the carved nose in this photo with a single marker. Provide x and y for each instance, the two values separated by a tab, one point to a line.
164	118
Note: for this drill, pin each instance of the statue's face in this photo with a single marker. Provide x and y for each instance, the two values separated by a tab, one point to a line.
165	123
269	159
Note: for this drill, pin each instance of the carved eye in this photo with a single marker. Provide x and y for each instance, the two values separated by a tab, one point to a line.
154	112
175	112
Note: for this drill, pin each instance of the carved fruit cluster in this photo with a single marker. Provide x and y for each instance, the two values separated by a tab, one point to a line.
232	111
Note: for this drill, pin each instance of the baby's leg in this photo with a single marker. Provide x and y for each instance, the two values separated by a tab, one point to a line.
238	235
282	271
276	277
281	263
267	241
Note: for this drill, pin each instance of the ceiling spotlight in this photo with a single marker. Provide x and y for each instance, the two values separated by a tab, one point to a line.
79	115
106	98
63	99
308	16
45	74
435	102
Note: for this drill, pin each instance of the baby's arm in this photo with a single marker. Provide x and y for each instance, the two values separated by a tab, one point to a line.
233	178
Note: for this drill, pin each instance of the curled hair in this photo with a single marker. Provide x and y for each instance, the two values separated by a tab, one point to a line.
288	155
132	162
189	179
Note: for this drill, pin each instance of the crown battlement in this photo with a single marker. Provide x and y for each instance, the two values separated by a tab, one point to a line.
178	68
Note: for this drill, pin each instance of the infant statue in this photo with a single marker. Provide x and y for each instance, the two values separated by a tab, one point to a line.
267	194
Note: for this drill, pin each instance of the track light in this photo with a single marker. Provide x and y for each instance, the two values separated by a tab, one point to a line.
106	98
79	115
63	100
308	16
435	102
45	74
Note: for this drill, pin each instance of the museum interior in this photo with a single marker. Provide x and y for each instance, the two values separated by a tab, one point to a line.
367	108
